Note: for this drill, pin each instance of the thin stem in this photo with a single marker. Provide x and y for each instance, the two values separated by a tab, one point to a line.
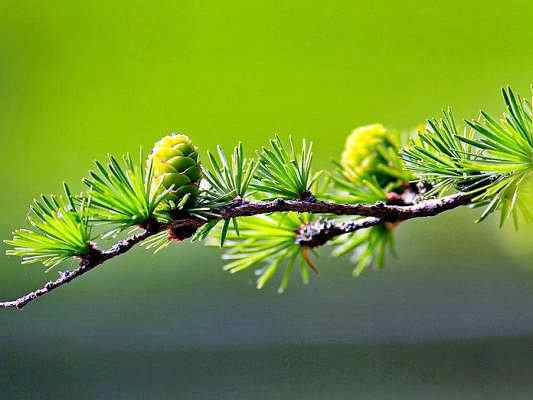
311	235
89	261
317	233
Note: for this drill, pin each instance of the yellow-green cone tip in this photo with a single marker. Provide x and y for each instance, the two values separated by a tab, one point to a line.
175	164
360	158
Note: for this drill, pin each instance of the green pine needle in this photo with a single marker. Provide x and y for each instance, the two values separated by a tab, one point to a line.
439	156
267	241
492	158
283	173
225	181
368	247
157	242
357	190
228	180
60	230
124	195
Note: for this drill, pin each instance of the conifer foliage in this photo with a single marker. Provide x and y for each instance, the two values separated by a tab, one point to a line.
259	207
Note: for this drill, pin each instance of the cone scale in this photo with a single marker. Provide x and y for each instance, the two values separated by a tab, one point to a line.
175	165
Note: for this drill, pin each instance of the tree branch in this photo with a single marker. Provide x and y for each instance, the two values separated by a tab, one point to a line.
317	233
390	213
88	262
311	235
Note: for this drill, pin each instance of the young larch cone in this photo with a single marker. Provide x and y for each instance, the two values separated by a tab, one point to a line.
175	164
361	158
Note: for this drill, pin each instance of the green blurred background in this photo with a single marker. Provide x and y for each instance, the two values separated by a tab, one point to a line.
451	318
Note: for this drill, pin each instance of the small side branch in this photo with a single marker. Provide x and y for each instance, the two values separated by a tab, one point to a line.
87	263
311	235
320	232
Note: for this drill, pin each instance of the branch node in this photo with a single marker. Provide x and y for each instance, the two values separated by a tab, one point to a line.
308	197
183	229
62	275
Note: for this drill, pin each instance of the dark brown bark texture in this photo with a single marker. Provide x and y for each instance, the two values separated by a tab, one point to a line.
314	234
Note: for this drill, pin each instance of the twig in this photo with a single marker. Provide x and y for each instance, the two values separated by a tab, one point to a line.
88	262
317	233
311	235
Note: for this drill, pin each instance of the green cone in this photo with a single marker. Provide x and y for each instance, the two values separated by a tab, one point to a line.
175	164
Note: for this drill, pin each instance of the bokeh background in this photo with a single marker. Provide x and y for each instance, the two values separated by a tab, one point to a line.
452	317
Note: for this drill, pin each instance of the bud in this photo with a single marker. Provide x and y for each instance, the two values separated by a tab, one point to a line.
361	158
175	164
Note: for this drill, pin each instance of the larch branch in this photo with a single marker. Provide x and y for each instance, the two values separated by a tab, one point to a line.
312	235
